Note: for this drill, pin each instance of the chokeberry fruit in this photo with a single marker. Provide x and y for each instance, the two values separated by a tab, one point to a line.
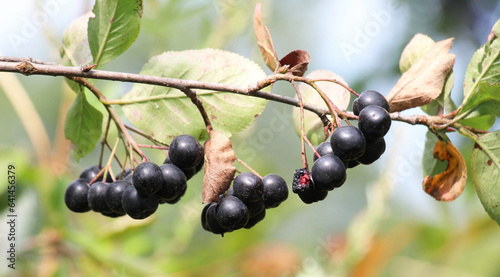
114	195
255	207
232	213
137	205
374	122
248	187
75	196
374	150
312	195
174	182
252	221
113	214
275	190
124	174
368	98
147	178
348	143
185	151
211	222
301	180
97	197
324	148
328	172
90	172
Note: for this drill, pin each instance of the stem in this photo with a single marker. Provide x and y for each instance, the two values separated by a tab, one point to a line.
312	147
302	129
108	164
247	166
199	104
153	146
104	141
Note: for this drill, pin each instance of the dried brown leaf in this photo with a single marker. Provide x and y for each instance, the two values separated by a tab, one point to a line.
424	81
449	184
297	62
264	39
219	166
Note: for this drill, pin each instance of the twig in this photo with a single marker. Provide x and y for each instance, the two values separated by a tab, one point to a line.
199	104
247	166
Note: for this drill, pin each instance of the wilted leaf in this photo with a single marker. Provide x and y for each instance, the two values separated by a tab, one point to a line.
264	39
414	50
424	81
430	165
485	170
449	184
171	113
312	123
219	166
297	62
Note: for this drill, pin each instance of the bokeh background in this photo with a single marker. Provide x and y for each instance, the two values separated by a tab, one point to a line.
380	223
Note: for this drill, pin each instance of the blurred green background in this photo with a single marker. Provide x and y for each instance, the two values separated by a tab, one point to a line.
380	223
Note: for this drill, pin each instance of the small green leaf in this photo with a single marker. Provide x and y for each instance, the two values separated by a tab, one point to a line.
486	99
166	112
483	67
485	167
114	28
83	125
75	49
313	127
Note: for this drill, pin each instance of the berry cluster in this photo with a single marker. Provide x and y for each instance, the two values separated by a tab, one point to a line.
138	193
348	147
245	203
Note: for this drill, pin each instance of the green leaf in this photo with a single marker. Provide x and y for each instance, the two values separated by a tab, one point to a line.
83	125
313	127
166	112
483	67
75	49
431	166
114	28
485	167
482	107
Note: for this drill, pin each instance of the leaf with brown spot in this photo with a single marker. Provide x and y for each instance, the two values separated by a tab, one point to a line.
297	62
449	184
264	39
219	166
424	81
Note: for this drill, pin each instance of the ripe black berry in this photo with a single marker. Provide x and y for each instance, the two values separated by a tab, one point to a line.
147	178
324	148
368	98
232	213
137	205
374	150
248	187
97	197
176	199
374	122
113	214
255	207
185	151
90	172
301	180
114	195
348	143
275	190
312	195
124	174
174	182
211	222
252	221
328	172
75	196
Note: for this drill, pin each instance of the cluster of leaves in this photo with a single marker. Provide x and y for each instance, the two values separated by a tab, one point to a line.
163	112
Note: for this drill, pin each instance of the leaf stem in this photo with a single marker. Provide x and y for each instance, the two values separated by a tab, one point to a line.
248	167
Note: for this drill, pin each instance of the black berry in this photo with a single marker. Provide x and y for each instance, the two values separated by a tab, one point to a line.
368	98
75	196
185	151
97	197
348	143
232	213
114	195
374	122
312	195
255	207
324	148
328	172
252	221
174	182
248	187
275	190
147	178
211	222
374	150
112	214
301	180
124	174
137	205
90	172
